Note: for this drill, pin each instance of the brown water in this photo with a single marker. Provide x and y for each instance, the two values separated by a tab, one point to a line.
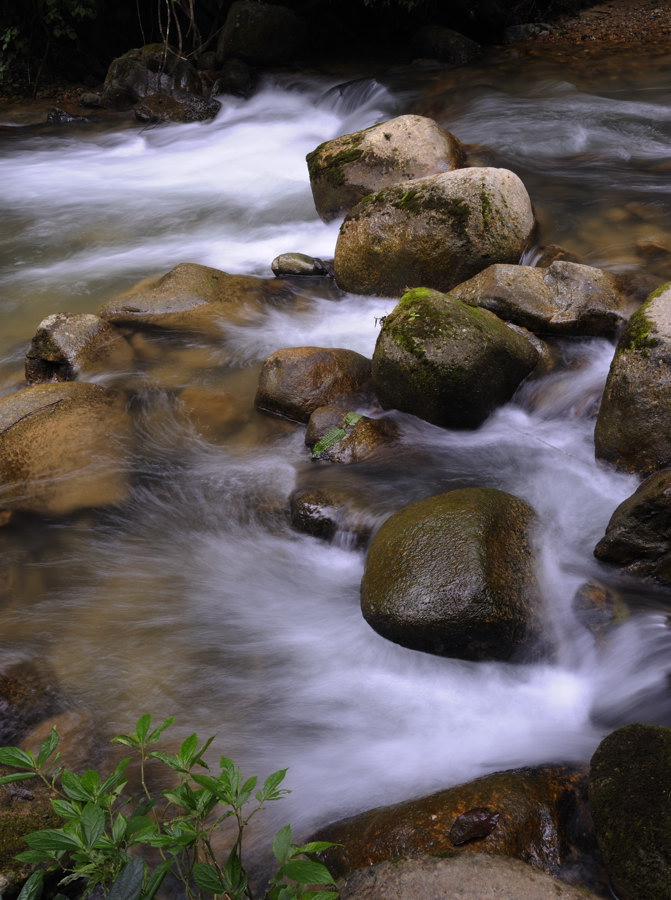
196	598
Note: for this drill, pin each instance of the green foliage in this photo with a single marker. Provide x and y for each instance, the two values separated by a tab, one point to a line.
105	829
334	435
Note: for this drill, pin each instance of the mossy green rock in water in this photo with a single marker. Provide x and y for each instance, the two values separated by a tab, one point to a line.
632	430
346	169
630	795
433	232
447	362
454	575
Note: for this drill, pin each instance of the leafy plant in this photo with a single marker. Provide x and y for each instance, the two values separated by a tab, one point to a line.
334	435
105	829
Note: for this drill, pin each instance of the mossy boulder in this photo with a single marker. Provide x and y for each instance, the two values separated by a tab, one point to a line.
433	232
638	536
29	693
454	575
63	447
447	362
346	169
24	807
67	345
262	33
543	820
564	298
466	876
346	437
295	381
630	795
632	429
444	45
161	107
196	299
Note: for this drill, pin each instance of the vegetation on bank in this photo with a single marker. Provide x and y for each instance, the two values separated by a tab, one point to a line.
127	843
77	39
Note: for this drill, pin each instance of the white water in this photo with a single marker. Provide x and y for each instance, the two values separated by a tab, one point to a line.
197	598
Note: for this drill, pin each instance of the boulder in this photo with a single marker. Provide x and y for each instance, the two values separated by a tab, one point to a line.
632	429
454	575
66	345
468	876
148	70
294	382
194	298
444	45
340	436
25	806
298	264
261	33
564	298
236	77
638	536
629	791
433	232
346	169
161	107
544	821
446	362
63	447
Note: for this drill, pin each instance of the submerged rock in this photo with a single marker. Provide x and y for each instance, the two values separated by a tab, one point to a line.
28	694
564	298
446	362
471	876
454	575
433	232
638	535
294	382
346	169
195	298
63	447
544	822
327	512
69	344
632	429
629	791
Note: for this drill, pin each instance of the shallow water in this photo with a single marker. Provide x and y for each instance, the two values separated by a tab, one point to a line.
196	598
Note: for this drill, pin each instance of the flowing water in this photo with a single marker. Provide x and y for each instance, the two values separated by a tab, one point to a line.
196	598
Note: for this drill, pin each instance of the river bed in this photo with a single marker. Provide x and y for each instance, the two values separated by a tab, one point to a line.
196	598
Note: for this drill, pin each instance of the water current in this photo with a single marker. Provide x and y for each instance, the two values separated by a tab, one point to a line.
197	598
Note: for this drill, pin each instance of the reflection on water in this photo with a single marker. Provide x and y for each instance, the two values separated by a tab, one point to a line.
197	598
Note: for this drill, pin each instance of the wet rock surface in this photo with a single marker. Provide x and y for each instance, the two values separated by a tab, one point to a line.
454	575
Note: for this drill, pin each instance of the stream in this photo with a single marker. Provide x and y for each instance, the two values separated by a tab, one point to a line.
196	598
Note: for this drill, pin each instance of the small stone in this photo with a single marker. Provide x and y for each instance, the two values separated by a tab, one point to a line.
476	823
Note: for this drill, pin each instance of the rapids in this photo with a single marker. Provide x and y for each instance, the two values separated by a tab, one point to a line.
197	598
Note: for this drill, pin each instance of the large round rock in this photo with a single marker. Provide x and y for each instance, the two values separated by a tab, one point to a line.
447	362
433	232
630	795
632	430
454	575
63	447
344	170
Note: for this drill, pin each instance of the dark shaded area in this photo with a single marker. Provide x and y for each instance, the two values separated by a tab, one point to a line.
75	40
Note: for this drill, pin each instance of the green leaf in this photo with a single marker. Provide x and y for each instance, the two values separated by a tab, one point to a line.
73	787
17	776
53	839
47	748
315	847
128	884
66	809
156	879
119	828
90	782
307	871
351	418
235	876
320	895
157	732
188	750
32	889
15	756
92	823
128	740
282	844
36	856
142	727
208	878
332	437
271	784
